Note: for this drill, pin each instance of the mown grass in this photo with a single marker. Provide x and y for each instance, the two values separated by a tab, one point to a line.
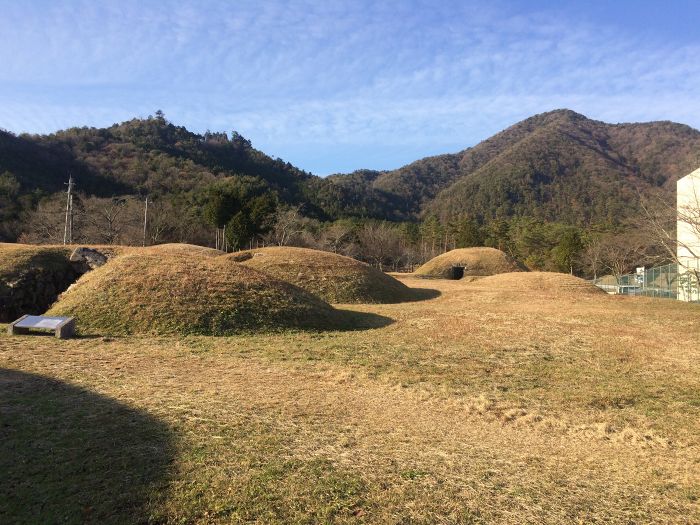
479	406
68	455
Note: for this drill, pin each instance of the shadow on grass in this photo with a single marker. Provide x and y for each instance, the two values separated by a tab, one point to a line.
351	320
422	294
69	455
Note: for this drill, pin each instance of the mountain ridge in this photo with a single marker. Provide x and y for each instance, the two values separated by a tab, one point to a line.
554	166
633	152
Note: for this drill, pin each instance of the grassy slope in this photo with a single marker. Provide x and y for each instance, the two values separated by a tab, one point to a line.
163	294
16	257
539	283
480	406
332	277
476	261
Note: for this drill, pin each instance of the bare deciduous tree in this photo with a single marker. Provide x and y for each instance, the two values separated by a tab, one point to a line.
621	253
288	226
334	237
45	224
592	256
108	220
162	221
677	230
380	244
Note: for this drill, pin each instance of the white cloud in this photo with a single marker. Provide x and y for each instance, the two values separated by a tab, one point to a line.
298	75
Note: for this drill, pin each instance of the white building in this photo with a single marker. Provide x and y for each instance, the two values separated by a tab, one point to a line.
688	236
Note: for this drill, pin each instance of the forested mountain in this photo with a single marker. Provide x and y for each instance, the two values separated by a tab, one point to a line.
141	155
557	166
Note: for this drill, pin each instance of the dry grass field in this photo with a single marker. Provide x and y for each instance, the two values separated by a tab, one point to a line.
486	404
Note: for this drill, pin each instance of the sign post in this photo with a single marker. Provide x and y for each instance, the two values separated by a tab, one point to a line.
62	327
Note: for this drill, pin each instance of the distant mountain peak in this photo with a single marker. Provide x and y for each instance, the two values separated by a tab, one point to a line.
558	165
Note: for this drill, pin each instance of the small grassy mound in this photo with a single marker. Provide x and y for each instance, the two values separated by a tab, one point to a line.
31	277
181	249
169	294
335	278
549	283
475	261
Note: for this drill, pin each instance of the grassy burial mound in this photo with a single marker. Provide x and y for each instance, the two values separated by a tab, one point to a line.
335	278
168	294
31	277
181	249
546	283
462	262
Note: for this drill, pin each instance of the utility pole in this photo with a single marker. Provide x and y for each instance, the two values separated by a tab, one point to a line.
68	228
145	222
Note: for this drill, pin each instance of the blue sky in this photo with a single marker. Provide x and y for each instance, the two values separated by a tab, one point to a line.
336	86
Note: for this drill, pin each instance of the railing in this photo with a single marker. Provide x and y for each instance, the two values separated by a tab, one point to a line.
671	281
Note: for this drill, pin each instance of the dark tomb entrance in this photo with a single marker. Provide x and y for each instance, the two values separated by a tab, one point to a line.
457	272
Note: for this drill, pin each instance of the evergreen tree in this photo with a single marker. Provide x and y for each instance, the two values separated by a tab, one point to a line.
568	250
467	233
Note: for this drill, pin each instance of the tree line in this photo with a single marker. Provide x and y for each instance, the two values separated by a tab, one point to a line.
215	189
237	213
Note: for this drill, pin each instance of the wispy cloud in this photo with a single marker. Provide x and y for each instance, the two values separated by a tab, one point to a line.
305	78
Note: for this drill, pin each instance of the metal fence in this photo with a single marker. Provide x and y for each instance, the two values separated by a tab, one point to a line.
671	281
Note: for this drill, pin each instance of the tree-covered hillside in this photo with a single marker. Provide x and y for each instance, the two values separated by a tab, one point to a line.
557	166
554	167
140	157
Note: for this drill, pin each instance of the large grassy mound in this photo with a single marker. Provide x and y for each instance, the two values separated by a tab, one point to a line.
475	261
164	294
335	278
549	283
31	277
181	249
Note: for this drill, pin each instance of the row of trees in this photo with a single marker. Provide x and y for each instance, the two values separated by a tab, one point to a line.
229	213
539	245
239	212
